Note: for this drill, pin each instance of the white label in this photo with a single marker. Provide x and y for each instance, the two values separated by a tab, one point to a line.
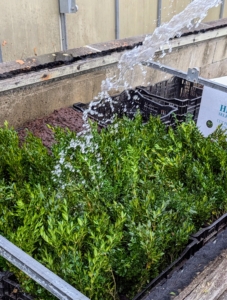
213	108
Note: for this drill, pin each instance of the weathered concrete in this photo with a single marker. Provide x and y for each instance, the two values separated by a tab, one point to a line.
62	79
209	284
31	27
24	104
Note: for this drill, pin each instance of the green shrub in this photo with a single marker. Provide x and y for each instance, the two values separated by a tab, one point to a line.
109	211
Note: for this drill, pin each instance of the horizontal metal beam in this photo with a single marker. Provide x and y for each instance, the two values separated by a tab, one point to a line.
43	276
192	75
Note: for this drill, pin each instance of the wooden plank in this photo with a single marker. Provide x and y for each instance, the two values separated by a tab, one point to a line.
209	284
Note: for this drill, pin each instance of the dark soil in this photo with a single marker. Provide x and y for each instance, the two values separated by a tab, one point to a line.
64	118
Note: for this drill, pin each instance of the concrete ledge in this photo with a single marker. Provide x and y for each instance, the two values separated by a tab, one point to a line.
54	60
34	88
79	61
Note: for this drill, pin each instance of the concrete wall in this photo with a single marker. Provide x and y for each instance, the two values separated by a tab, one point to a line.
137	17
32	95
93	23
28	28
171	8
21	105
31	27
213	14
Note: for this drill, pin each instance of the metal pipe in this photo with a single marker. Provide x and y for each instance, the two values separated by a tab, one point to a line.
222	9
159	13
1	59
64	37
43	276
117	20
192	75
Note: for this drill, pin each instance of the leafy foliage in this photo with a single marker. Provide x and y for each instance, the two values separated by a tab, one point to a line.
107	211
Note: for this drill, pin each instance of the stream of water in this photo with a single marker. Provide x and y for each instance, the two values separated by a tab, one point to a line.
131	61
190	17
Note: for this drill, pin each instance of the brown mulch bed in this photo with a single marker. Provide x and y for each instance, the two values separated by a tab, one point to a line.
64	118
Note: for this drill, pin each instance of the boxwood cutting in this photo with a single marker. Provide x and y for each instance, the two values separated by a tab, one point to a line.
108	211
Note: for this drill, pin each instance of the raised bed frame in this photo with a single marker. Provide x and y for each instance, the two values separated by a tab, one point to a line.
10	289
43	276
196	242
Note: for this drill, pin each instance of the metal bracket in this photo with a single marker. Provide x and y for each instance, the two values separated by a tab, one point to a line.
68	6
192	75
